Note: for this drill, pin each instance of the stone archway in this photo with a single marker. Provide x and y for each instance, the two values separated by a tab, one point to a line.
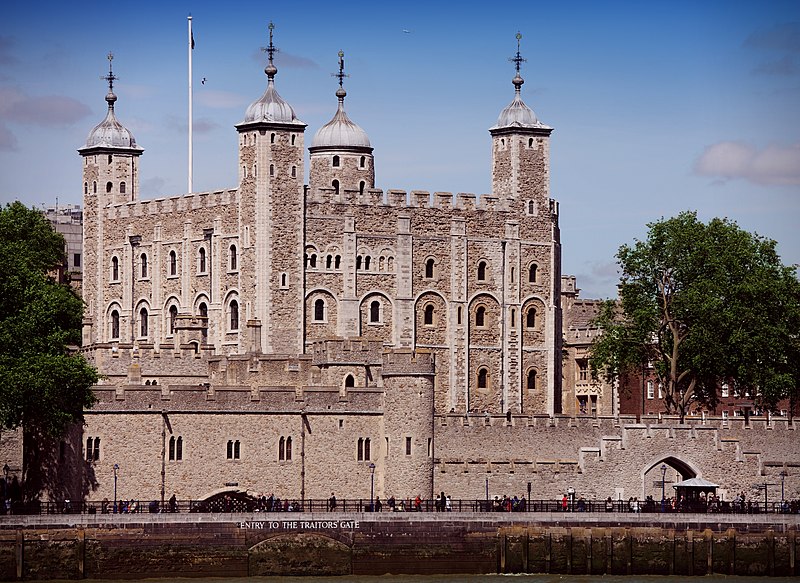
655	480
307	554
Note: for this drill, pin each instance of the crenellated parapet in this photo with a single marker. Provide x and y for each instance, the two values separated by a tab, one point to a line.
356	351
172	205
405	362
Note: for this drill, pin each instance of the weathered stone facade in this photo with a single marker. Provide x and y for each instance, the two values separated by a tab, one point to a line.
281	337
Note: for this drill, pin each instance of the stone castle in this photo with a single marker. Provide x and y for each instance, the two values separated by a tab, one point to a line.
302	339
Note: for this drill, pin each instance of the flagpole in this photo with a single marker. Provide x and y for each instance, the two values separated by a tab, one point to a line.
191	47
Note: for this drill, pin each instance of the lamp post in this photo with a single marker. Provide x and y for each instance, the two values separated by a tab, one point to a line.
783	475
6	471
663	480
372	488
116	468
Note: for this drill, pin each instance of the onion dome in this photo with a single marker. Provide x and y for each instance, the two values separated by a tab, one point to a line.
516	114
270	107
109	133
341	131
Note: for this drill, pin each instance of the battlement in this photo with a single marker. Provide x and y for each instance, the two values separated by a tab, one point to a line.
337	351
403	199
173	204
407	362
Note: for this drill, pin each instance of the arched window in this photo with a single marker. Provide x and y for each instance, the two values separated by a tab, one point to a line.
283	280
114	269
531	207
114	325
458	316
429	266
94	187
381	263
361	186
513	318
234	260
85	188
530	142
335	185
319	310
234	310
480	316
428	318
288	449
360	451
336	161
366	262
530	318
144	264
203	310
349	381
294	171
482	271
272	169
531	384
143	322
312	260
366	449
201	260
293	136
281	449
272	138
483	378
358	262
375	311
122	188
109	187
173	263
362	162
532	273
173	315
337	262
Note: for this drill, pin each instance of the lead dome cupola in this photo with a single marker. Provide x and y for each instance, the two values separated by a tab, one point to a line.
271	107
516	114
341	131
110	133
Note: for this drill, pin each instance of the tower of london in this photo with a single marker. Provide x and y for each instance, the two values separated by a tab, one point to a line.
294	338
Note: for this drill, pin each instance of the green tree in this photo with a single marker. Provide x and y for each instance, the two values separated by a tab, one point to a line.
44	384
705	304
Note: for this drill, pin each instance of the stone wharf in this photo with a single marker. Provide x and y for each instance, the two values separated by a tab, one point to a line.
184	545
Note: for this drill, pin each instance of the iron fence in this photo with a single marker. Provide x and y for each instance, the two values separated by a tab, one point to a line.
239	505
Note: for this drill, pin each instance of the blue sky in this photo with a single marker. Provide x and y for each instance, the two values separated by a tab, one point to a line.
658	107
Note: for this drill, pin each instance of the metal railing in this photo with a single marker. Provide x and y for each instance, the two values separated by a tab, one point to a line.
222	505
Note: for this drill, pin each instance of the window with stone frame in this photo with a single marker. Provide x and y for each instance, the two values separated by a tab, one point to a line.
375	312
233	310
428	319
233	451
480	316
320	311
483	378
430	266
482	271
175	448
114	325
173	264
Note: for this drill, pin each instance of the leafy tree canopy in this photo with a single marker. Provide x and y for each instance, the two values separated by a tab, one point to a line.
43	386
705	304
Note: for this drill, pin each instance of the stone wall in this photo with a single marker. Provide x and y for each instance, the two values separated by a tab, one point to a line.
365	544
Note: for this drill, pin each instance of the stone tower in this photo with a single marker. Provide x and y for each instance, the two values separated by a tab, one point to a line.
110	176
521	182
271	210
342	167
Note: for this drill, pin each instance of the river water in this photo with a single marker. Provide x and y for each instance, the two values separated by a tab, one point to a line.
465	579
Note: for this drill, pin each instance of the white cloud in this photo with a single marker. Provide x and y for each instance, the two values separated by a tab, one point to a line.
773	166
